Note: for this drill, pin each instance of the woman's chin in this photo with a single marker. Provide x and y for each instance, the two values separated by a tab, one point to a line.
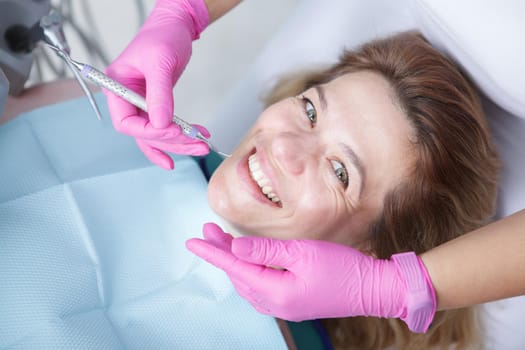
232	229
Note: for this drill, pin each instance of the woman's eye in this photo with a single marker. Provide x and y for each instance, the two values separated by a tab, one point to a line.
340	172
310	110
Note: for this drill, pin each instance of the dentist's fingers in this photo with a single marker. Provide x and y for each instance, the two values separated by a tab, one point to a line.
209	251
196	148
159	95
226	261
154	151
257	276
137	126
203	130
155	156
130	120
269	252
214	234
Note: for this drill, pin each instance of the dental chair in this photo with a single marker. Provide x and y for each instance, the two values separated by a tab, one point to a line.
92	249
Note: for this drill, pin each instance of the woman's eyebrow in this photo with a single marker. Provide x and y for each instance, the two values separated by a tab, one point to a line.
321	95
358	164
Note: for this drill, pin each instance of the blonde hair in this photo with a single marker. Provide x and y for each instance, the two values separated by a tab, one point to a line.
451	188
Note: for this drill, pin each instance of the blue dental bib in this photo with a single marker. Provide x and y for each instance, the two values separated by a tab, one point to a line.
92	251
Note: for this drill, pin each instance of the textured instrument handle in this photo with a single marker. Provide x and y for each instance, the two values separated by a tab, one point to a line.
106	82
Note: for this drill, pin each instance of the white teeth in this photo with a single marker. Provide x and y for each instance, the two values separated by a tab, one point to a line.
257	174
263	182
266	189
254	164
260	178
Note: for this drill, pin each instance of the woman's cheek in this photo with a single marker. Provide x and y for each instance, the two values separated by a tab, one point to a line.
218	198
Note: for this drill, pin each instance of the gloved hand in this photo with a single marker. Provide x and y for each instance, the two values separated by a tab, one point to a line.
150	65
307	279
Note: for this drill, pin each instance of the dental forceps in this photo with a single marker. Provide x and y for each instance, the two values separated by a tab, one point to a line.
53	35
102	80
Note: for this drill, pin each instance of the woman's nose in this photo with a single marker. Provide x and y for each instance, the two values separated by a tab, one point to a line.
292	151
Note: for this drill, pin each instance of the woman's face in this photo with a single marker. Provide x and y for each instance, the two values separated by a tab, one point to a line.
327	158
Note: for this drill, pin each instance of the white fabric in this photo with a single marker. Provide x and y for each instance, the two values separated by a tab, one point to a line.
487	38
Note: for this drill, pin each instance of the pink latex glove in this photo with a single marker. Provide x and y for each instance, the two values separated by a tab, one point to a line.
151	65
320	279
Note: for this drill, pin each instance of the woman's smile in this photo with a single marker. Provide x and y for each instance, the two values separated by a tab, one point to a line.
257	180
260	178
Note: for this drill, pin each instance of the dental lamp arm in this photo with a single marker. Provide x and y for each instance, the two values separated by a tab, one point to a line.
151	65
322	280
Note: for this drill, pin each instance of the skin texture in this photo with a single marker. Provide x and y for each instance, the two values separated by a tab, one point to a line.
217	9
485	265
299	159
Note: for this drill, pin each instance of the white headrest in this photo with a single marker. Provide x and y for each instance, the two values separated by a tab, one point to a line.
487	38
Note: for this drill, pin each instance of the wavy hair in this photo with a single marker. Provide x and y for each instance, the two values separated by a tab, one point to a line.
451	188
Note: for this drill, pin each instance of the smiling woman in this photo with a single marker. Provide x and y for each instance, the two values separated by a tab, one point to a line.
305	159
387	151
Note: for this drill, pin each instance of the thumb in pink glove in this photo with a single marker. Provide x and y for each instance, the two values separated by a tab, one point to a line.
320	279
150	65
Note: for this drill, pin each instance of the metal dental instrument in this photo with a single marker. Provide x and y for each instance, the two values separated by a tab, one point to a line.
102	80
53	35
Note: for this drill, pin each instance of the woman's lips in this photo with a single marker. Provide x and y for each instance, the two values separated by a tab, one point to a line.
249	184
